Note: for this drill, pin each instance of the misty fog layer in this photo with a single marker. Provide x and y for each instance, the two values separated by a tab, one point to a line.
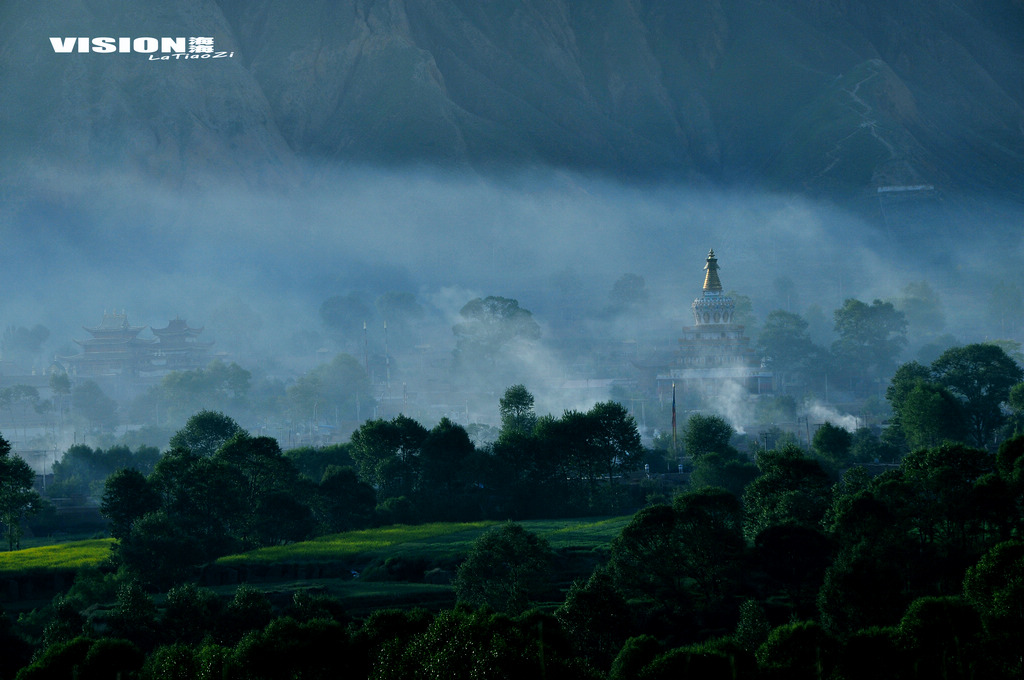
439	152
555	241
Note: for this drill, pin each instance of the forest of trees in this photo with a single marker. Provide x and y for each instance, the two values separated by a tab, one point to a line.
893	552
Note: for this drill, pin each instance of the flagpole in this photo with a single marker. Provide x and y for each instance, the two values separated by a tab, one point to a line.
674	447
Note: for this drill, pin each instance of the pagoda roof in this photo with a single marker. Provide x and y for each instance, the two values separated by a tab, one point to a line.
177	327
114	341
113	323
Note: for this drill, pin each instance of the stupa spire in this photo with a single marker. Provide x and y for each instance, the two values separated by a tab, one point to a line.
711	280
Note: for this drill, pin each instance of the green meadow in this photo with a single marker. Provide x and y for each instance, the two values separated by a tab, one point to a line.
432	542
429	539
57	557
438	542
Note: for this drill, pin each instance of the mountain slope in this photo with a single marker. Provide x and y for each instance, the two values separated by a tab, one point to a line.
808	95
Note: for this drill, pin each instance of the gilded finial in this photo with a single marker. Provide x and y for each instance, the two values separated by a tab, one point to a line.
711	281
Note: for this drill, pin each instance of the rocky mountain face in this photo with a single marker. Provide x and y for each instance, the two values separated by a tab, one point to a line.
820	96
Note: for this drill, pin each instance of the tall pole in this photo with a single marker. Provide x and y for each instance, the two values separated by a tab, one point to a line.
675	449
387	361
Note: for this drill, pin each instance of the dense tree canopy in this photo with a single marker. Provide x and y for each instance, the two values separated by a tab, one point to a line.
17	497
960	396
516	410
981	376
94	409
791	489
488	326
871	338
505	569
340	388
786	343
205	432
706	434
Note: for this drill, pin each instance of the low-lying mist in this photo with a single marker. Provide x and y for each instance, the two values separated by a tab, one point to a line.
254	267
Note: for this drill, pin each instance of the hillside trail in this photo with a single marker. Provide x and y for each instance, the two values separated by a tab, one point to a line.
865	111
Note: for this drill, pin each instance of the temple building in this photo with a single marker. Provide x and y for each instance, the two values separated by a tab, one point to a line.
714	352
115	349
117	354
178	347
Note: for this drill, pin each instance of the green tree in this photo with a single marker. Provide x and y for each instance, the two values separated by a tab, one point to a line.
393	305
180	661
945	478
791	489
190	613
344	501
797	651
17	497
995	586
20	397
903	382
867	447
1005	307
1015	400
931	415
86	659
446	481
127	496
266	485
343	313
506	568
481	644
218	385
528	472
160	552
489	325
288	649
647	557
922	308
60	385
614	438
205	432
386	454
83	470
629	293
709	525
134	615
596	617
201	505
713	659
516	409
94	408
785	340
707	434
21	344
795	559
943	636
312	462
340	387
249	610
981	376
111	658
638	651
832	444
722	470
744	310
871	338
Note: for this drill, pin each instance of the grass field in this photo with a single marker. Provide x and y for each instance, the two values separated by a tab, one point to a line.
60	556
366	543
426	541
444	542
